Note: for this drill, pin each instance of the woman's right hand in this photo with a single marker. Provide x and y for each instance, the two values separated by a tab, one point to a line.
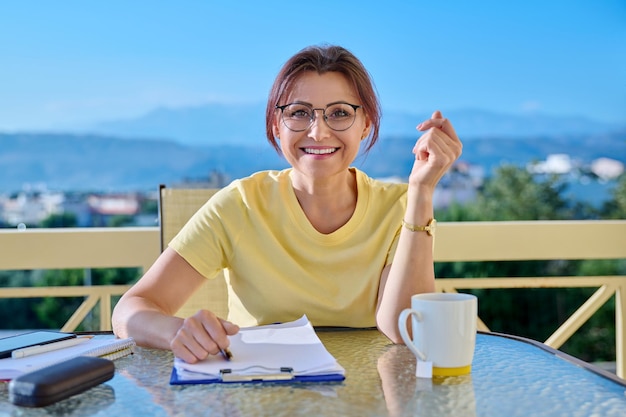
435	151
201	335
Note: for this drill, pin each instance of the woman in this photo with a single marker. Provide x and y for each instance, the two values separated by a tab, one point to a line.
320	238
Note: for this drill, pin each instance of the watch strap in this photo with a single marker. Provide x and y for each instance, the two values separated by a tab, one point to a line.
416	228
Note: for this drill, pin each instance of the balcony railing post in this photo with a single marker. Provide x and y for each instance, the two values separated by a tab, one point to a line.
620	329
105	312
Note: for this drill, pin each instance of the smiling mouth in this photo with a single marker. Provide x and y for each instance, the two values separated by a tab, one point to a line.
324	151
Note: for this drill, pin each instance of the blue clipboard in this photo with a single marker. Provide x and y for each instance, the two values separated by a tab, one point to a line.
277	378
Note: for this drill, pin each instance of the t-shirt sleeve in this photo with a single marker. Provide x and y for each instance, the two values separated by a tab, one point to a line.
206	241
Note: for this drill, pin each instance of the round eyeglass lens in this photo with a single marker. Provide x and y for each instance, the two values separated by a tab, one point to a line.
297	116
340	116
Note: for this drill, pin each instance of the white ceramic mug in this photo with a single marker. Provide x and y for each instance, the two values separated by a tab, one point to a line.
444	331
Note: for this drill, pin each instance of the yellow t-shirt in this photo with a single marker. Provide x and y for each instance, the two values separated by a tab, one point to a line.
278	267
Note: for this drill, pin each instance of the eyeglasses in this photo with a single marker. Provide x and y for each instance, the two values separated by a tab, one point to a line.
298	117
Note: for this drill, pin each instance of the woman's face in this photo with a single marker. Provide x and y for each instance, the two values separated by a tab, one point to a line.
319	151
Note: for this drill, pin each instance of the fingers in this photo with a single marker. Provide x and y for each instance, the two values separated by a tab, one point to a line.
442	124
230	328
435	151
437	148
438	142
438	121
201	335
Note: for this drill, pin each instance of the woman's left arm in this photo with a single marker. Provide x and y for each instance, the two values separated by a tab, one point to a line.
412	269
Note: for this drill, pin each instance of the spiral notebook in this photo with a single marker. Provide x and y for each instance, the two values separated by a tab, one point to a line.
287	352
115	349
102	346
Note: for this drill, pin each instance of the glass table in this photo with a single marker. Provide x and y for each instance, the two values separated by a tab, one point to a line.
510	377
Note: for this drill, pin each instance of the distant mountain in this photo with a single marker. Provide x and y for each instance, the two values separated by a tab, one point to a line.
212	124
244	124
73	162
473	124
101	163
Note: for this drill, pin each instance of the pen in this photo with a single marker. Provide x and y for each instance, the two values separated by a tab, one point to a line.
35	350
226	353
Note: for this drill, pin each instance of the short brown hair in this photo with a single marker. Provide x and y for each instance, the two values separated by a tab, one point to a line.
322	59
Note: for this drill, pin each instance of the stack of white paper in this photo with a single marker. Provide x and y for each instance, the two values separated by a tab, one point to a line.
258	352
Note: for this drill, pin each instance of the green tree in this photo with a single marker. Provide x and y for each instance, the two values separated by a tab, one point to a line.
54	312
60	220
457	212
615	208
121	220
20	310
149	206
514	194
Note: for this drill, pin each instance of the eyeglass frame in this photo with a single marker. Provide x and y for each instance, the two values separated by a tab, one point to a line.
282	108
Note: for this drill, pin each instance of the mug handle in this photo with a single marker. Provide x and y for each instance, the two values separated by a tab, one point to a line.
402	320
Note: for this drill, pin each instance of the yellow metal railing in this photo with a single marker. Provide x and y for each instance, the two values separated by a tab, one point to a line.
94	295
466	241
77	248
67	248
542	240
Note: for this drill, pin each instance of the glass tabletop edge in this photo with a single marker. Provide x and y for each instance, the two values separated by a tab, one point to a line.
576	361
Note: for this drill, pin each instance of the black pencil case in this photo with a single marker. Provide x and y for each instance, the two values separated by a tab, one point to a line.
53	383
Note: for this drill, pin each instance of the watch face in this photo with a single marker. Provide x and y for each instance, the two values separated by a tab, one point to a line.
432	227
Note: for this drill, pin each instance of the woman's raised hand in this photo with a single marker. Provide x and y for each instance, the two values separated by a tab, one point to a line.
435	151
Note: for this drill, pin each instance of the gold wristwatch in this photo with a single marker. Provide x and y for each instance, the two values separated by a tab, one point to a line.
429	228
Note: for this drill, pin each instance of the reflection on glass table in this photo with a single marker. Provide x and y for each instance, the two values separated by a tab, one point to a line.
510	377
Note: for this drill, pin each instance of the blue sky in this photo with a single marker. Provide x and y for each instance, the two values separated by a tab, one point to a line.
72	63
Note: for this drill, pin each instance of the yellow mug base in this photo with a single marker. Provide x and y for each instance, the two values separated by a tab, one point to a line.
463	370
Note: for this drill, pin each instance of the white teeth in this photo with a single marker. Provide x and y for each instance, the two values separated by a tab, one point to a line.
320	151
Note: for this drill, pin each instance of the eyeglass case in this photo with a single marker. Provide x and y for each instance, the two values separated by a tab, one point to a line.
59	381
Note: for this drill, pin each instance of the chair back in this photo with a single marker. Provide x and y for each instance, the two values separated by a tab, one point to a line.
176	206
